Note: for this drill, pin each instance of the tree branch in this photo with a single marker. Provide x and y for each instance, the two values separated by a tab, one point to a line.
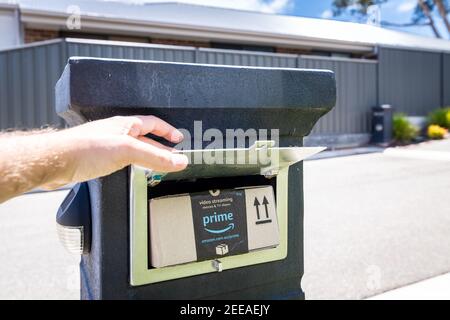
427	13
443	13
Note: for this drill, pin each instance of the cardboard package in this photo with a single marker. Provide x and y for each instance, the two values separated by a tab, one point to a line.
213	224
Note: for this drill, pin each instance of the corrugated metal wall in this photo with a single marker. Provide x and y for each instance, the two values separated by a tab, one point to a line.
254	59
446	80
410	80
101	49
413	82
27	78
28	75
356	94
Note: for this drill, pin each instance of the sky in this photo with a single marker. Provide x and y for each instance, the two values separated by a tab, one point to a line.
398	11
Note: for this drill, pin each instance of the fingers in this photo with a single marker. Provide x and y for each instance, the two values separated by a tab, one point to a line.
156	126
155	143
150	156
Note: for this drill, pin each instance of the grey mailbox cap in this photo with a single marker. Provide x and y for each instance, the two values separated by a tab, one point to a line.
223	97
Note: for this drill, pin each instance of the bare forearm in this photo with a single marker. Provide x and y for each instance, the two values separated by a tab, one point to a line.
30	161
95	149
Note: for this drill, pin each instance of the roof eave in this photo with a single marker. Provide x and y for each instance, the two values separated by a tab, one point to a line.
118	25
9	6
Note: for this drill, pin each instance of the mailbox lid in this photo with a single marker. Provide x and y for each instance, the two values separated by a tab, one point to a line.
290	100
260	159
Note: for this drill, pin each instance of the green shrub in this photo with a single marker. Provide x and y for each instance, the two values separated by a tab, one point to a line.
440	117
404	130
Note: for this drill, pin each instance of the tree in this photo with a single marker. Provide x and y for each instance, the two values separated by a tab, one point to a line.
443	9
354	7
423	13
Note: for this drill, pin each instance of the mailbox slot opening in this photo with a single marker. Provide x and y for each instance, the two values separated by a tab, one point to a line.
203	184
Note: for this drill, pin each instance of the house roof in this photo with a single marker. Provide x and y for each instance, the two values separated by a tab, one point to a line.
219	24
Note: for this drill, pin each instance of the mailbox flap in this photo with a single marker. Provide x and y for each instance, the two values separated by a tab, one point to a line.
262	158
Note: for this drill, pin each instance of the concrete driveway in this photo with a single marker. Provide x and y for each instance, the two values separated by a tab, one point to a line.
34	265
376	222
372	223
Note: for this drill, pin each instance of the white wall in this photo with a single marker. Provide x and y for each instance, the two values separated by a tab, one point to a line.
10	34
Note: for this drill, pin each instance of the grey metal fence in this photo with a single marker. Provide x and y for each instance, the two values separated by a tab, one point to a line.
356	94
27	78
410	80
28	75
104	49
413	82
446	80
240	58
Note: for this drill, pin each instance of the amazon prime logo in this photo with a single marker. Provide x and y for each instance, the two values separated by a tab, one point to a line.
217	218
220	223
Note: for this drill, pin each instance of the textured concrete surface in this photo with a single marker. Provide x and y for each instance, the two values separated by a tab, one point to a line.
373	222
437	288
334	141
33	263
345	152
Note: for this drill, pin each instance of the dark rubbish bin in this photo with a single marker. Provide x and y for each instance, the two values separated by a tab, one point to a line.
382	124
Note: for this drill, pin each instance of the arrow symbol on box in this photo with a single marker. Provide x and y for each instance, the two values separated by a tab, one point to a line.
256	204
265	203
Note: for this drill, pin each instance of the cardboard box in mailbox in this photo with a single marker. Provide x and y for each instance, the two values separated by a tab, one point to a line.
210	225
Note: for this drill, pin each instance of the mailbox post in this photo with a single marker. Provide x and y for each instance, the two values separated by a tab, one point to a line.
129	255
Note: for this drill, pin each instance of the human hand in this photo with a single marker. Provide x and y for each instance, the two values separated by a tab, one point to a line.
102	147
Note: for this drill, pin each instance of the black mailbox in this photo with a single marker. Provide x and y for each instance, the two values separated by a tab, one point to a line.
230	225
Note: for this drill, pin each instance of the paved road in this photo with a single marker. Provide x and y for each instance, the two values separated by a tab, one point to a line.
33	263
436	288
372	223
375	222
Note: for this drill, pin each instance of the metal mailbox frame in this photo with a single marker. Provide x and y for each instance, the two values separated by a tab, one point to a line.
140	274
